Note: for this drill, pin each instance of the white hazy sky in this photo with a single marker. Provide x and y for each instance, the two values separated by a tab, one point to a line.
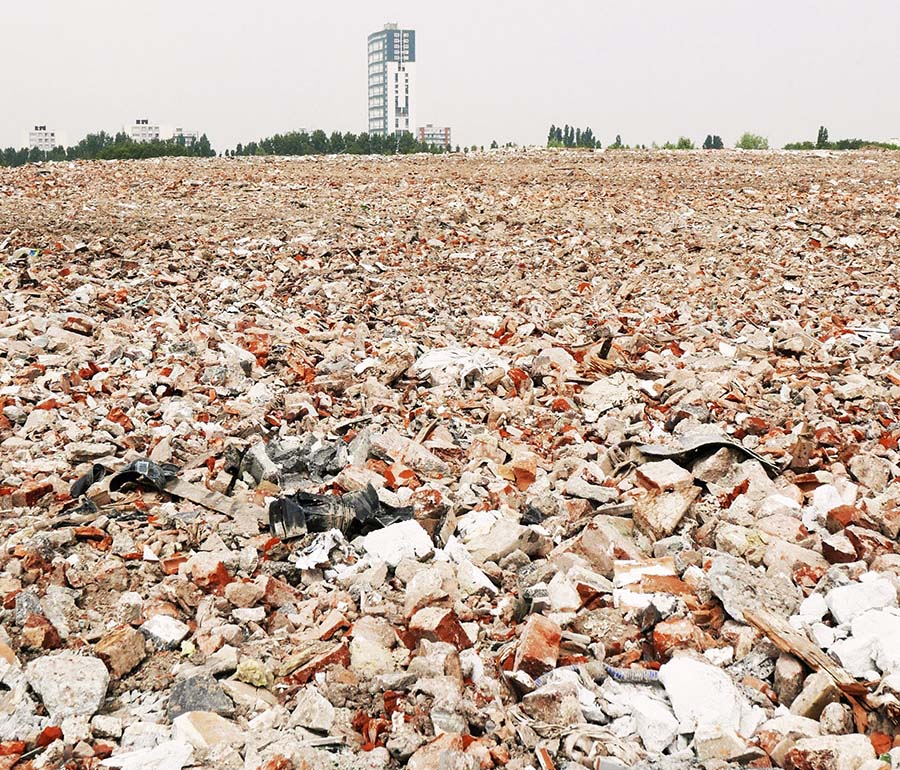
491	69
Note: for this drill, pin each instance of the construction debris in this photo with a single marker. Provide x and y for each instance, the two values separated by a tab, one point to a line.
523	460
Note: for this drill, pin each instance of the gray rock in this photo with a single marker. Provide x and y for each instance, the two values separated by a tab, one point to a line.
83	451
841	752
313	711
165	631
788	678
875	592
103	726
18	720
578	486
817	693
27	603
59	607
741	587
198	693
554	703
871	470
259	465
836	719
69	685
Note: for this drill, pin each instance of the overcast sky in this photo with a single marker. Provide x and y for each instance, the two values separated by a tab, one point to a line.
490	69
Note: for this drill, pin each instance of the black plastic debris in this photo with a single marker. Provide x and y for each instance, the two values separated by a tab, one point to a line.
354	513
532	515
690	446
144	473
234	457
313	457
83	484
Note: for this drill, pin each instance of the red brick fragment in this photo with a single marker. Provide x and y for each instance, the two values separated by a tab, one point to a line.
48	735
331	624
208	572
868	543
278	762
677	634
881	742
121	650
29	495
538	648
842	516
437	624
339	655
278	593
38	633
11	747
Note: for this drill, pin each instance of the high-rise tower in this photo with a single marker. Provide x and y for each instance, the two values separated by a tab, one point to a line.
392	80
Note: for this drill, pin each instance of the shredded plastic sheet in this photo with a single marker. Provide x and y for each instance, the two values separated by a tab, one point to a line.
444	366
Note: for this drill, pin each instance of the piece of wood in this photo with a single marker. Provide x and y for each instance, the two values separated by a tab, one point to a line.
214	501
788	639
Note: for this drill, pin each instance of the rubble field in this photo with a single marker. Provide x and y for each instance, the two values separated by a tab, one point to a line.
548	460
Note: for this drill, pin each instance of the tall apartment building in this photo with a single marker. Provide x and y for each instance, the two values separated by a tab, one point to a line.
436	136
42	139
392	80
144	131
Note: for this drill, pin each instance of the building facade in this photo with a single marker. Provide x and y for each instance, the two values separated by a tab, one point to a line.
435	136
42	139
392	80
188	137
144	131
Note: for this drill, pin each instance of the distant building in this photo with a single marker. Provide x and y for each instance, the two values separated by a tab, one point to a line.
42	139
144	131
189	137
435	136
392	80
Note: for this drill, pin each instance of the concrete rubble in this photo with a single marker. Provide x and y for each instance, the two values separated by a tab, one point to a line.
580	461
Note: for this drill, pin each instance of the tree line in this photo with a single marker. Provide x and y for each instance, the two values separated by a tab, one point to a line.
822	143
104	146
319	143
572	137
569	136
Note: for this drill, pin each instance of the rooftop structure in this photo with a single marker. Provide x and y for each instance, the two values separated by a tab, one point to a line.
435	136
42	138
142	130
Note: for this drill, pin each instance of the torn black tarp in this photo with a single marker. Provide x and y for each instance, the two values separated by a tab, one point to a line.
689	446
84	483
354	513
144	473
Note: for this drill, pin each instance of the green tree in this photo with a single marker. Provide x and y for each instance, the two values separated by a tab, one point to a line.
822	138
750	141
336	142
408	144
717	143
204	150
708	142
319	142
684	144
